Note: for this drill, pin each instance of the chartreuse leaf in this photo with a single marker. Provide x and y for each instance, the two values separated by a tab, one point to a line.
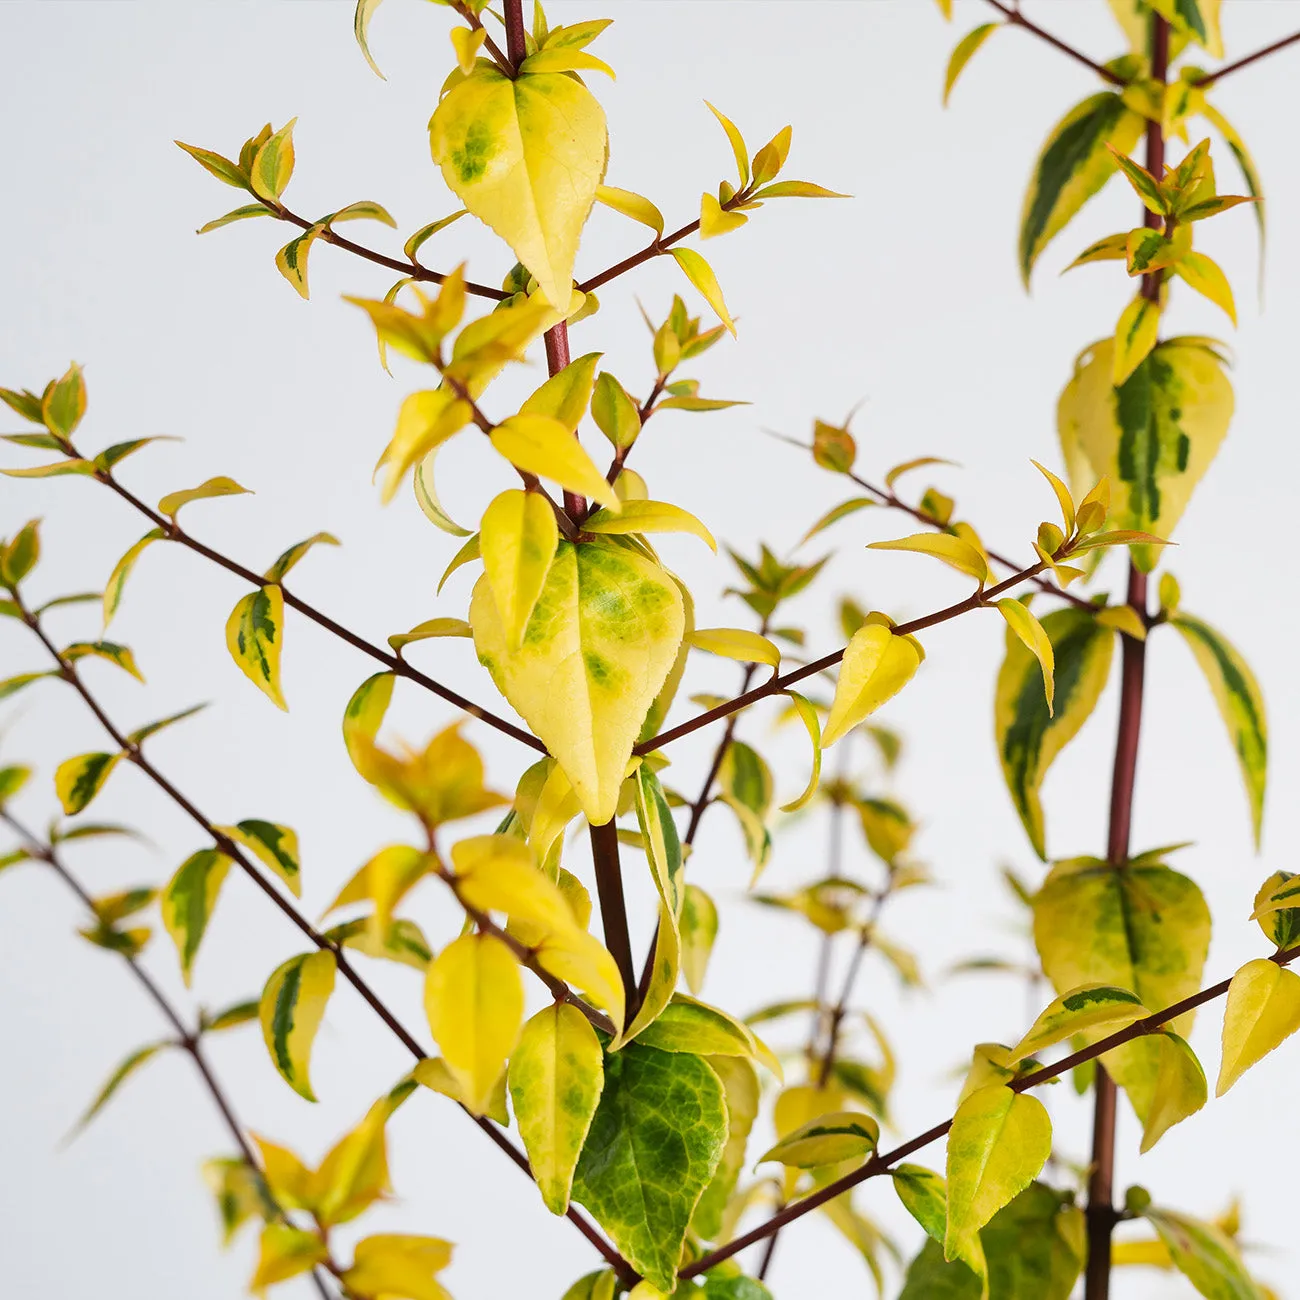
517	543
807	714
498	873
1204	1254
275	846
1241	704
1262	1012
601	642
188	899
1135	335
840	1135
430	629
1197	20
1087	1007
1028	736
526	157
474	999
701	275
354	1173
253	635
403	941
630	204
737	643
876	666
924	1195
699	929
292	1007
540	444
593	1286
1206	276
654	1145
659	834
425	421
1153	438
1180	1089
121	571
961	555
78	780
998	1143
1142	927
115	654
240	1013
581	960
565	396
555	1077
665	967
12	779
277	571
127	1067
686	1025
1035	640
240	1193
737	143
221	486
433	1073
363	717
64	403
237	214
741	1091
396	1264
962	54
284	1253
1072	167
649	517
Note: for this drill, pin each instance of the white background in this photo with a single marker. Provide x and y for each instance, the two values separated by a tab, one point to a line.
906	298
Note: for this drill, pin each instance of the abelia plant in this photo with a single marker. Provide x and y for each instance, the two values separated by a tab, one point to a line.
599	1071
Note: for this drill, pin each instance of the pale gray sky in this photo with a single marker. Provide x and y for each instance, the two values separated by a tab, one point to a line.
906	298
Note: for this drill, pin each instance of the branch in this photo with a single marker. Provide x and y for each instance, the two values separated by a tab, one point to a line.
881	1164
187	1039
779	683
1016	19
1213	78
613	909
233	851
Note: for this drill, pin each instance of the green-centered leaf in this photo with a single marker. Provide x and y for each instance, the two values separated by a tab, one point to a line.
654	1145
1241	704
601	642
663	847
115	654
1277	908
1196	20
128	1066
1028	736
517	543
1205	1255
292	1007
291	260
116	584
1262	1012
1073	166
555	1077
220	486
998	1143
216	165
876	666
827	1140
254	633
741	1091
924	1195
274	846
1143	927
1087	1007
962	54
273	163
699	929
188	900
403	941
526	157
1153	438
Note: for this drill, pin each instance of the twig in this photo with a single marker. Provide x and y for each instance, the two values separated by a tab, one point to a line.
1213	78
613	908
1016	19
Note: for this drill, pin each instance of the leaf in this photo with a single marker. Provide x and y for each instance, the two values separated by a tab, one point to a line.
241	1013
12	779
836	513
541	445
663	848
1153	438
998	1143
1073	166
109	650
273	164
715	220
629	204
1087	1007
362	719
1180	1089
876	666
221	486
361	30
429	629
188	900
965	50
1249	172
654	1145
1028	736
291	260
954	551
555	1077
924	1195
426	496
601	642
239	1191
648	517
127	1067
616	415
78	780
1204	1254
1241	705
403	941
292	1007
474	999
517	542
215	165
737	142
1197	19
1113	248
1035	640
56	470
119	451
387	1266
797	190
807	714
425	421
1135	336
1142	927
422	236
686	1025
284	1253
1262	1012
526	157
840	1135
253	635
281	567
121	571
442	783
274	846
699	929
701	275
237	214
498	873
433	1073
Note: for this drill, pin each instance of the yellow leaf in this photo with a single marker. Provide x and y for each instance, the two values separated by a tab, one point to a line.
474	998
565	396
517	543
827	1140
214	487
286	1252
385	880
467	41
665	967
602	640
1036	641
541	445
287	1177
629	204
564	58
1063	498
498	873
291	1009
429	629
1206	276
526	157
876	666
700	274
737	643
1125	619
1262	1012
398	1266
1087	1007
433	1073
426	496
962	54
425	421
648	517
955	551
443	783
253	634
583	962
556	1074
1135	336
1179	1090
808	716
714	220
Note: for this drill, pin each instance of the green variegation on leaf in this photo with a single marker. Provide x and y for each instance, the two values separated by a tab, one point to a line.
188	900
292	1007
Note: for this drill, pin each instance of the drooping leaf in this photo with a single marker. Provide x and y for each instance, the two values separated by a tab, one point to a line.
737	643
363	717
398	1265
1262	1012
1087	1007
602	640
699	929
1035	640
254	633
285	1252
221	486
630	204
290	558
121	571
517	543
876	666
701	275
188	900
649	517
1179	1091
1205	1255
240	1193
962	54
654	1145
292	1007
540	444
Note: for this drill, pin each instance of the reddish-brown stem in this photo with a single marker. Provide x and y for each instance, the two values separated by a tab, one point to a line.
493	49
557	357
782	682
1212	78
882	1163
1016	19
613	908
516	34
653	249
